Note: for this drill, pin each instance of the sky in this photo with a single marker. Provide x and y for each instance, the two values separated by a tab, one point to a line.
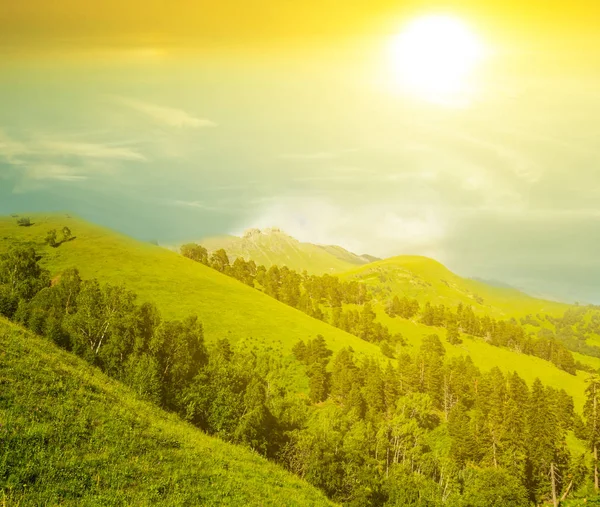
171	121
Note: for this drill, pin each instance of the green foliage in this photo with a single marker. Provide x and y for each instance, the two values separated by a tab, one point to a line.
493	487
71	436
50	239
426	419
24	222
20	273
195	252
176	285
66	233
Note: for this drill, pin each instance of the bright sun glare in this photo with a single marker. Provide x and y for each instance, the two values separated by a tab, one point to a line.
435	56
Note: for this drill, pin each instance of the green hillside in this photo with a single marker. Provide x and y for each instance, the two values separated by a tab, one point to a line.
487	356
69	435
425	279
228	308
178	286
273	247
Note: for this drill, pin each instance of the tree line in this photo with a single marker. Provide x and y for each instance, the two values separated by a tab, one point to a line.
500	333
427	430
311	294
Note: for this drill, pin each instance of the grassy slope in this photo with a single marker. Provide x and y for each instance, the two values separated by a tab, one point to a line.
486	356
76	437
275	247
177	285
229	308
427	280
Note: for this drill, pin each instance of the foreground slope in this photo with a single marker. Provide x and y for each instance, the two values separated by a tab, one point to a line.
425	279
69	435
273	247
178	286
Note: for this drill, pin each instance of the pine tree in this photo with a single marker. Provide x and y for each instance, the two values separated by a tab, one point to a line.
547	451
591	412
459	428
452	334
318	382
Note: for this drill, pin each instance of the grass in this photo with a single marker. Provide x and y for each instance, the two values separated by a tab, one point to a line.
178	286
69	435
425	279
231	309
486	357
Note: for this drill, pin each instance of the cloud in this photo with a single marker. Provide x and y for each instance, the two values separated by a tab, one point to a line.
319	155
167	115
87	150
523	167
38	158
381	229
11	150
205	207
54	172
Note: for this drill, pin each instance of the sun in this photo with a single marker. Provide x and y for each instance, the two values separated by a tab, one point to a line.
435	56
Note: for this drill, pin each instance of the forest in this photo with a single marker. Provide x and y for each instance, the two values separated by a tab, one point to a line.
420	429
313	294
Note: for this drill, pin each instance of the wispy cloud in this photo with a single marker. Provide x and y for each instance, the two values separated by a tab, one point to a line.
87	150
55	172
201	205
522	166
36	158
10	149
317	155
167	115
321	155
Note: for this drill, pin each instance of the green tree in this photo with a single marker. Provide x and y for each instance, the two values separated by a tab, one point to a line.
51	238
101	315
493	487
179	349
195	252
591	412
452	334
463	445
66	234
318	381
219	260
21	273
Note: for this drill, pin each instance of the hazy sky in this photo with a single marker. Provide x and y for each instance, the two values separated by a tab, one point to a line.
176	120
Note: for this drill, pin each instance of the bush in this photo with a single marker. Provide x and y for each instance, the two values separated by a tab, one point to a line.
8	302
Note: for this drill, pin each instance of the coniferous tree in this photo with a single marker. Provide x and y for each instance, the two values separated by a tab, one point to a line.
318	382
591	412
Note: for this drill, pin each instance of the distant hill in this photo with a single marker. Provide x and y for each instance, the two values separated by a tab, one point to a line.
425	279
69	435
273	246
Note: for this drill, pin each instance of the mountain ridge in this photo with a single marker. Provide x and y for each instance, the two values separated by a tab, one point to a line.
272	246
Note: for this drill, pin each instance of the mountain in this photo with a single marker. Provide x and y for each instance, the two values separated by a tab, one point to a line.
273	246
69	435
